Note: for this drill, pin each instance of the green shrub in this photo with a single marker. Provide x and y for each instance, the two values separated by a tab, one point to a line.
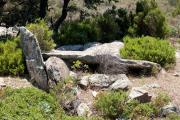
121	18
43	35
111	104
143	110
150	49
28	104
148	20
161	100
79	32
11	58
108	28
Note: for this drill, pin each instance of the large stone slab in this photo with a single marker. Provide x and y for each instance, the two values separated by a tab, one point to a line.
34	59
107	58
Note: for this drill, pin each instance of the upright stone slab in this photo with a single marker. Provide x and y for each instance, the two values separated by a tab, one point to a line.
34	59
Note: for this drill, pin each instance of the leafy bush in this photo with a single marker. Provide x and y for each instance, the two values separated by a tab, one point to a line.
28	104
79	32
11	58
111	104
150	49
148	20
43	35
114	105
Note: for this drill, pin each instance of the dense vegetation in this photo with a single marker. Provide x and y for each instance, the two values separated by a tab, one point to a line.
11	57
143	30
113	105
43	35
149	48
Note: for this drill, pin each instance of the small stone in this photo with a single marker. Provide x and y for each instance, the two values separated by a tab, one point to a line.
94	93
84	81
83	110
73	75
122	83
170	108
2	84
153	85
176	74
140	94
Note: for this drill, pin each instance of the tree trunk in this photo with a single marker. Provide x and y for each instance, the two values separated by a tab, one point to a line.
59	21
43	8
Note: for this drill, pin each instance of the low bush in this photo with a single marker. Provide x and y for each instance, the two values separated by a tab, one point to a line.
161	100
28	104
11	58
111	104
43	35
150	49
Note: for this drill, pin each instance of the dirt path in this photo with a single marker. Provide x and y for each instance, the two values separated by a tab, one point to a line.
14	82
168	82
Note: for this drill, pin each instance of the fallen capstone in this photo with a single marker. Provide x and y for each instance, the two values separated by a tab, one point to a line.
112	82
57	70
107	58
138	93
34	59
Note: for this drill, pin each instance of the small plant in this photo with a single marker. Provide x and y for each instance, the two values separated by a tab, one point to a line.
150	49
111	104
161	100
43	35
143	110
79	66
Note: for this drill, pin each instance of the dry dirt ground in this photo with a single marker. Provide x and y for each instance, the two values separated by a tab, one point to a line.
167	81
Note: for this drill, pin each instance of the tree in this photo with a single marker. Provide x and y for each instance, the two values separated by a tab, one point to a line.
43	8
92	4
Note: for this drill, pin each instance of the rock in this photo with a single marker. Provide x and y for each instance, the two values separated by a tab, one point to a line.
170	108
107	58
94	93
106	81
57	70
34	59
100	80
73	75
122	83
153	85
91	44
71	48
84	81
7	32
176	74
2	84
140	94
83	110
